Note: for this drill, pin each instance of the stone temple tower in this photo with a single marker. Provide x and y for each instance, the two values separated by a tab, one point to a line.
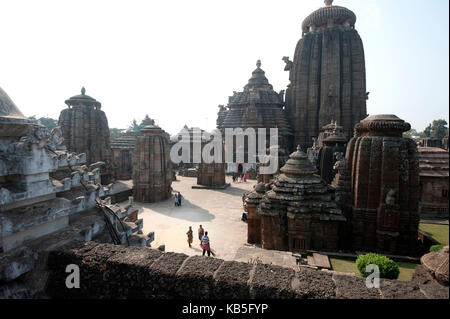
328	77
382	185
152	167
85	130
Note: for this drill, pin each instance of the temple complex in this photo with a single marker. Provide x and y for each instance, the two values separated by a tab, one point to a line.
327	76
85	129
382	187
434	183
257	106
152	168
299	212
49	196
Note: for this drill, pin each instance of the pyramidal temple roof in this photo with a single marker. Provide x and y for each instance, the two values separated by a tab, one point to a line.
258	90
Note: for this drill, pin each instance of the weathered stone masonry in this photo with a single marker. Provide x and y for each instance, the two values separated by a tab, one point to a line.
109	271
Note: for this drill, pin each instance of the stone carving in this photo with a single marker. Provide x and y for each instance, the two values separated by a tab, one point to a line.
56	139
391	197
341	162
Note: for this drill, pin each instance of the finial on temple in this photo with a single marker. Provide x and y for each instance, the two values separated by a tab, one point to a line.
258	63
83	91
328	3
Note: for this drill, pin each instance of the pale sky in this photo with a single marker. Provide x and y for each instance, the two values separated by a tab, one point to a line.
177	60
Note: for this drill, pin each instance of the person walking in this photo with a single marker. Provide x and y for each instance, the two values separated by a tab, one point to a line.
201	232
179	198
245	177
190	235
205	244
175	197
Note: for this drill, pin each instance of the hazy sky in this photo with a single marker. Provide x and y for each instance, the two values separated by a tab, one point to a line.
178	60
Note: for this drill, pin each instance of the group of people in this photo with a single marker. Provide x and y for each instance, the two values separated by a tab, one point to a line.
177	199
202	237
239	178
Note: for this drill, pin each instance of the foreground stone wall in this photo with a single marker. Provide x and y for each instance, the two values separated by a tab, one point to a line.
108	271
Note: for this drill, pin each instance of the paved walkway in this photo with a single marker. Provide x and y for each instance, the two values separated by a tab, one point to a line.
219	211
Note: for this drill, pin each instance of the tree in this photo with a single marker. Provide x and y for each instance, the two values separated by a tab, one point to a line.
46	121
137	128
439	129
427	131
134	126
413	134
115	132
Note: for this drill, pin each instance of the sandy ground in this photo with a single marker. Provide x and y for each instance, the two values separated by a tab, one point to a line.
219	211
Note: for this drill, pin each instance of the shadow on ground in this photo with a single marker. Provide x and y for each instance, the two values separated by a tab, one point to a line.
187	210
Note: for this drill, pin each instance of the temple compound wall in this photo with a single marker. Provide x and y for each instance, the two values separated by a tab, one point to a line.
126	272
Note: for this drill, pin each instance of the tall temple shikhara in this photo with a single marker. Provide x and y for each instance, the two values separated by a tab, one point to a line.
328	77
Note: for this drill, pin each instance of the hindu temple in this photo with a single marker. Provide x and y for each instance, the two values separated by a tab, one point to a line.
85	129
382	187
257	106
327	75
299	213
152	167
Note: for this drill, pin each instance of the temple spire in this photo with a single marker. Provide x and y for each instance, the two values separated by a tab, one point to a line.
258	64
83	91
328	3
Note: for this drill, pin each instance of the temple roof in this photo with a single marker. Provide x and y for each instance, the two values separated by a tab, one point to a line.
320	17
82	99
388	124
258	90
298	164
9	112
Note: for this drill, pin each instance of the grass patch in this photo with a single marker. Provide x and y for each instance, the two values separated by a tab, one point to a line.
438	232
349	266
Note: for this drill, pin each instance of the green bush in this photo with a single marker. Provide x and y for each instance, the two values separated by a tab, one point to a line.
436	248
388	268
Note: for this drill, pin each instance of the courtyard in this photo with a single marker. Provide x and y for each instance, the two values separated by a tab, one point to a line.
218	211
